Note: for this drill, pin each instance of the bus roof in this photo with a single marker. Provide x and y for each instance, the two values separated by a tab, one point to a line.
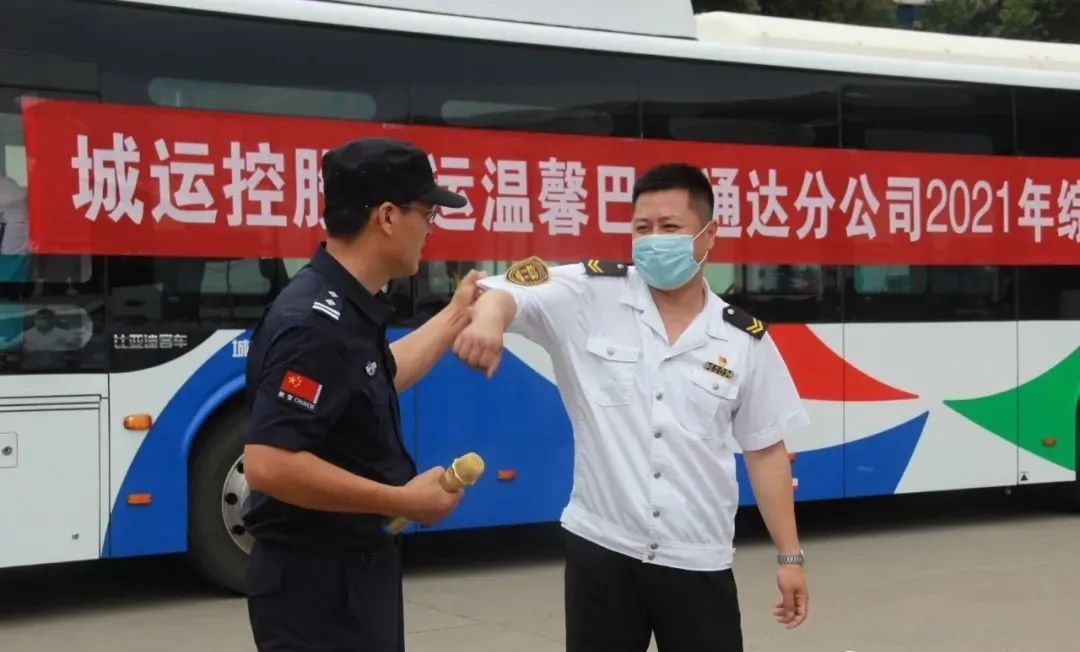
717	36
903	44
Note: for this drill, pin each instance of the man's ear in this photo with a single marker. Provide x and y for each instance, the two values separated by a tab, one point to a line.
383	216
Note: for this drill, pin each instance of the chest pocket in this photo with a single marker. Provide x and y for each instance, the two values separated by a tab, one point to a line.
611	371
370	408
710	399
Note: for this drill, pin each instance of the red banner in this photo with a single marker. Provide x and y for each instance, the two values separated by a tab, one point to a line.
116	179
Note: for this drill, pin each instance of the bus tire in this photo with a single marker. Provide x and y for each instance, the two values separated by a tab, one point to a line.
216	539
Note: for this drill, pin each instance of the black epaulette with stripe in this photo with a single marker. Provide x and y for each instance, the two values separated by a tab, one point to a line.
594	267
744	321
328	304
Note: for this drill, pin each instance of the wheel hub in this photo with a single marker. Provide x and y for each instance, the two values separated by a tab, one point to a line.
234	494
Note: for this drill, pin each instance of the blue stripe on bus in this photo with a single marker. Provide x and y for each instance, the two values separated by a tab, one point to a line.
516	421
160	466
872	466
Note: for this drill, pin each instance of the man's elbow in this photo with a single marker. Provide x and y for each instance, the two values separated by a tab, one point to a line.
263	467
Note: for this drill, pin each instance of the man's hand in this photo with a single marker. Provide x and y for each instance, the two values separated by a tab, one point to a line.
467	291
794	604
480	344
425	501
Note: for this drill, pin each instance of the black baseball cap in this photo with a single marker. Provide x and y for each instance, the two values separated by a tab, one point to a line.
370	171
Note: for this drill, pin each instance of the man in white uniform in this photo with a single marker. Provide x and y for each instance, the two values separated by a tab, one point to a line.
661	380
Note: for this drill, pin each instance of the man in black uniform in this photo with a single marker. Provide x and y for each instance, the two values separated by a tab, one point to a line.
324	457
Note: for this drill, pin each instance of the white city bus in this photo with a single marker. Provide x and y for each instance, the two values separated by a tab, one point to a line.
904	212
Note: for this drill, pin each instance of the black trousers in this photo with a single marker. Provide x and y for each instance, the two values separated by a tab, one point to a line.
301	601
615	603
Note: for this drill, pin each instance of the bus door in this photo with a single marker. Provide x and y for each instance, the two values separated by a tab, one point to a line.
53	386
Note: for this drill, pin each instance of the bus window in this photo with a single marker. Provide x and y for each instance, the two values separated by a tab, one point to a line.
502	115
712	102
236	64
51	308
783	293
499	86
913	293
261	98
192	293
1050	293
927	117
1046	122
1046	127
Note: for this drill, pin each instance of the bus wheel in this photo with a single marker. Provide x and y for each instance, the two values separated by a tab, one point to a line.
218	544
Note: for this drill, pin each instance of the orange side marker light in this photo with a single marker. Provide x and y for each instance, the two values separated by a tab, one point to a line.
138	421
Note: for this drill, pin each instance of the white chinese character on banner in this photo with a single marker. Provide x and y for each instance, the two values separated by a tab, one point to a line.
261	166
192	201
106	182
759	220
562	196
862	207
817	207
1035	203
727	202
1069	217
309	184
459	183
507	210
614	183
905	212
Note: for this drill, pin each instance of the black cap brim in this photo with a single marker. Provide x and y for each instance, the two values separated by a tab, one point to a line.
440	196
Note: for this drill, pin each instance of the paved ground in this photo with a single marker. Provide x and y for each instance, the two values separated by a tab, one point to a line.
976	573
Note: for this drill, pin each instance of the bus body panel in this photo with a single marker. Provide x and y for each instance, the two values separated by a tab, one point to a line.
51	444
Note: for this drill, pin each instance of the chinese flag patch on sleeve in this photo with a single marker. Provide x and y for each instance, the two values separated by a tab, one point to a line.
297	389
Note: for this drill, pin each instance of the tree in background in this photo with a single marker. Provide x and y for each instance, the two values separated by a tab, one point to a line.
861	12
1041	20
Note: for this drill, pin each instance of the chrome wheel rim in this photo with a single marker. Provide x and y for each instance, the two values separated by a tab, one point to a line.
234	494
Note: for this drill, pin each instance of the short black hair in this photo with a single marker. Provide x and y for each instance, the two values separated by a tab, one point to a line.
347	221
679	176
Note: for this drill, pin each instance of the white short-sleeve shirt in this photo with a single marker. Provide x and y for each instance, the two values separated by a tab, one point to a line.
656	427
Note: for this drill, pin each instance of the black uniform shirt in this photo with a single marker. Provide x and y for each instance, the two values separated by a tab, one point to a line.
320	378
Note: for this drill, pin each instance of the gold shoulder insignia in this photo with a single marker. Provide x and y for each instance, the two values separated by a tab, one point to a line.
743	320
531	271
594	267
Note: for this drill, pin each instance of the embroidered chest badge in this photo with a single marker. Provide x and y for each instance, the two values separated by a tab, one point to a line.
370	368
720	367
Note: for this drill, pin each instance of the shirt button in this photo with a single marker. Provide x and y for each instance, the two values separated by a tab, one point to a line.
716	385
658	434
659	396
656	513
654	546
651	556
656	475
610	351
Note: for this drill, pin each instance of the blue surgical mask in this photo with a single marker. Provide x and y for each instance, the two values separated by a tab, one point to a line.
666	260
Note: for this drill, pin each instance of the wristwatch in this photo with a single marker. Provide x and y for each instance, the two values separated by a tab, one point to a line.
791	560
